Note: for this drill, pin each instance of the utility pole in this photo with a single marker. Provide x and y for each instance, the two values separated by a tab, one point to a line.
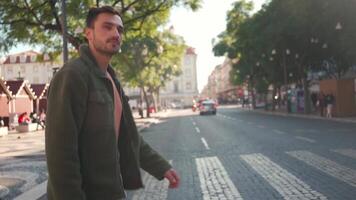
64	31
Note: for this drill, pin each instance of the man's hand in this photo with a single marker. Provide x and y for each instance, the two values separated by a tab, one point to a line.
172	177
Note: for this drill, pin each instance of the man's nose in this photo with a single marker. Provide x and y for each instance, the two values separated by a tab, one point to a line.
117	33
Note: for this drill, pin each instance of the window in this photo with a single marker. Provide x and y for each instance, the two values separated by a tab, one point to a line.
13	59
22	58
187	61
33	58
188	85
188	73
9	69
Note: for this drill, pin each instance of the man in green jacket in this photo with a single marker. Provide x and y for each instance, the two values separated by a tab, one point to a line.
93	148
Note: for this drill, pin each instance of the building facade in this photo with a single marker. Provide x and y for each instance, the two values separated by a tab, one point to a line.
29	65
219	86
181	91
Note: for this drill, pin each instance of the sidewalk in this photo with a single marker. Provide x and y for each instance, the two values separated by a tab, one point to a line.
38	191
282	112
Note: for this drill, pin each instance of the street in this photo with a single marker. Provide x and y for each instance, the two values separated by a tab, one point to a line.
237	154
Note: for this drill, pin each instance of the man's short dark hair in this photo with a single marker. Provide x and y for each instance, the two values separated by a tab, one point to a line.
94	12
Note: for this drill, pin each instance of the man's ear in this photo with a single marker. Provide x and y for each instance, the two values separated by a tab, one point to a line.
88	33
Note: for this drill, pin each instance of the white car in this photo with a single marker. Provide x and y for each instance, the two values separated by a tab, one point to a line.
208	107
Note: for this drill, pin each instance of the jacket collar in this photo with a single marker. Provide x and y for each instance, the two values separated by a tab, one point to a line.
88	58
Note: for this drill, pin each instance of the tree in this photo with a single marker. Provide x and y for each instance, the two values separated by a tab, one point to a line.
38	22
296	37
150	62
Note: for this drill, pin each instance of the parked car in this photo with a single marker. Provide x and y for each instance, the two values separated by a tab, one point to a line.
208	107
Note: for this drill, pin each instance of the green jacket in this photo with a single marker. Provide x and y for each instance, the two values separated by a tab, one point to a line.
83	157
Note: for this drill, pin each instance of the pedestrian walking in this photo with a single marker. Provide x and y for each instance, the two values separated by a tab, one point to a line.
321	103
314	99
330	100
93	148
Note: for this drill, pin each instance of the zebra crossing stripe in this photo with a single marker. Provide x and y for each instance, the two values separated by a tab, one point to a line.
346	152
154	189
327	166
305	139
285	183
214	180
279	132
205	143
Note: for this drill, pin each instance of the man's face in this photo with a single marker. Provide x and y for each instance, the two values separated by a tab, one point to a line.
106	33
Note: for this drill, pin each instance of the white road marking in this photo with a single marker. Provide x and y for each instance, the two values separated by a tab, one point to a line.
154	189
197	129
194	123
285	183
34	193
279	132
214	180
205	143
305	139
346	152
327	166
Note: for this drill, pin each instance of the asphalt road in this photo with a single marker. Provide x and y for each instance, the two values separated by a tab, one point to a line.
240	154
245	155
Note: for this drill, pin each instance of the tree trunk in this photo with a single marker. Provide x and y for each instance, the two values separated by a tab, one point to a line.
307	101
158	99
265	100
251	91
147	102
253	95
154	99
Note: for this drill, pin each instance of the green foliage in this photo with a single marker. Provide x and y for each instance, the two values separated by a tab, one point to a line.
150	61
302	34
148	57
38	22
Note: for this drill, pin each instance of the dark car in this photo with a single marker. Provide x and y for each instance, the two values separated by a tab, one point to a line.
208	107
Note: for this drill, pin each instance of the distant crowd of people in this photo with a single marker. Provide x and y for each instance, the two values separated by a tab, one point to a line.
25	119
324	103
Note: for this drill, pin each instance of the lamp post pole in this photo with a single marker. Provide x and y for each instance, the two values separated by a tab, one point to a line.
64	32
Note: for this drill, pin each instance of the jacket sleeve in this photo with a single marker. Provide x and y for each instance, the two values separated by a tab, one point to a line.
65	110
151	161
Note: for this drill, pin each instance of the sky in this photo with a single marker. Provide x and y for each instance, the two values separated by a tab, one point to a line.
200	27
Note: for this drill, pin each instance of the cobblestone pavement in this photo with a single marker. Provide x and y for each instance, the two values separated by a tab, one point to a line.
22	163
237	155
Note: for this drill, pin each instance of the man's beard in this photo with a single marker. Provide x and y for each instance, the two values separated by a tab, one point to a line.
100	47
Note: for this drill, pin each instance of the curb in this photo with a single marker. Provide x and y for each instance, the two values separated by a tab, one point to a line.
304	116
